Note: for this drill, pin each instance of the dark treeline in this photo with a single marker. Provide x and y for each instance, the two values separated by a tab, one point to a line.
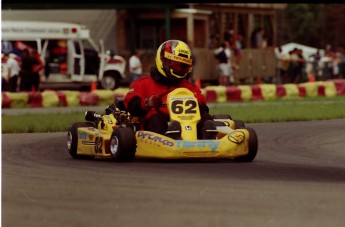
312	24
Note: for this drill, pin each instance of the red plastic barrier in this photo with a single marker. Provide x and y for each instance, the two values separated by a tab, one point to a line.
321	90
340	86
211	96
6	101
35	99
256	93
62	98
280	91
233	93
302	91
88	99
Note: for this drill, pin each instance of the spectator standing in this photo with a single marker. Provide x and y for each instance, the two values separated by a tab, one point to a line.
327	65
213	41
223	67
26	71
238	49
4	76
315	61
341	62
293	65
229	35
227	50
13	69
279	70
135	66
257	37
300	67
37	68
264	42
4	83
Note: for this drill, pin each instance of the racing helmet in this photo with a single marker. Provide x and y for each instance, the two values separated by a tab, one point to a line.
174	60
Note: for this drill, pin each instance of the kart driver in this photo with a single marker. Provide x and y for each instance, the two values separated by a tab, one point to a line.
147	95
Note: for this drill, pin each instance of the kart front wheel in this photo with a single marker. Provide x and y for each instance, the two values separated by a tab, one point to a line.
252	147
122	145
72	139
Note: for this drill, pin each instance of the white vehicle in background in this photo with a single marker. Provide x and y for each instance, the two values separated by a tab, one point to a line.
71	58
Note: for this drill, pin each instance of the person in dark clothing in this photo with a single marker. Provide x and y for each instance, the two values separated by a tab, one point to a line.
147	95
38	66
26	71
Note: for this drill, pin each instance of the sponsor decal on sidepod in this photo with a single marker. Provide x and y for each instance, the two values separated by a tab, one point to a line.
155	138
180	143
236	137
198	144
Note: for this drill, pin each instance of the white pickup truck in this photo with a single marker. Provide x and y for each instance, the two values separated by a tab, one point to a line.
70	56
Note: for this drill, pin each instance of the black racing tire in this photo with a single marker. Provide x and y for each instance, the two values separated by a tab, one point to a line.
252	147
123	145
222	116
72	140
239	124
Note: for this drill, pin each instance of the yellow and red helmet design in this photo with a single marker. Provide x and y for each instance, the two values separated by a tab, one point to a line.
174	60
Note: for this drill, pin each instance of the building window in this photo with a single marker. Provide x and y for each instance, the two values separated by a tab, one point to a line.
199	33
148	37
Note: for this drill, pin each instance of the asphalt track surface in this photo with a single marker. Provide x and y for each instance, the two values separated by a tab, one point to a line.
297	179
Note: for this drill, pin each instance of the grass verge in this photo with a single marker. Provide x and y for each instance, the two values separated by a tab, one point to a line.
320	108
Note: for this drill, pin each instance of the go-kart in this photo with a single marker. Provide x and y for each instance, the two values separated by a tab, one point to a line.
118	135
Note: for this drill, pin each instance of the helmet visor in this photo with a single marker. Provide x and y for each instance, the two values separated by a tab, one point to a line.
178	64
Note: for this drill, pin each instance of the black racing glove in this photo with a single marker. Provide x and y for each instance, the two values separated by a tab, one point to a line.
110	109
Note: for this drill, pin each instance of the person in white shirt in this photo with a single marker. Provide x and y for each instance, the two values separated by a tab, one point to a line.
135	66
13	70
228	53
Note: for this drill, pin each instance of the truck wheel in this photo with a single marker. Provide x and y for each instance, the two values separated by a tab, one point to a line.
123	145
72	140
252	147
110	82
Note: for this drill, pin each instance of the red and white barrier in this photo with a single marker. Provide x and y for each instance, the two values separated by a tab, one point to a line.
266	92
217	94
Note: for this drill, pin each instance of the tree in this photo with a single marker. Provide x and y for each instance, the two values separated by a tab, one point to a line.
313	24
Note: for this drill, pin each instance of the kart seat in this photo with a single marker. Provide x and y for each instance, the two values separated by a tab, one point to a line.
174	130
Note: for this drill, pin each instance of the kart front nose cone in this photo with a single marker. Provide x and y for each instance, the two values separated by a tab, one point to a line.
114	145
69	140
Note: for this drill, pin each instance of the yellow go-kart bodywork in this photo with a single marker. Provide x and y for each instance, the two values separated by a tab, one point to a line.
110	137
231	145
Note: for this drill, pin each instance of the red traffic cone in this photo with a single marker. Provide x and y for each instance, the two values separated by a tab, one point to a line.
93	85
311	78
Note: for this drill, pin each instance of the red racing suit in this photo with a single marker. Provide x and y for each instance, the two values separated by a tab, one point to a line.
156	84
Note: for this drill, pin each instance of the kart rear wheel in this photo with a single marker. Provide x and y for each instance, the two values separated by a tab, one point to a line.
252	147
222	116
239	124
123	145
72	139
